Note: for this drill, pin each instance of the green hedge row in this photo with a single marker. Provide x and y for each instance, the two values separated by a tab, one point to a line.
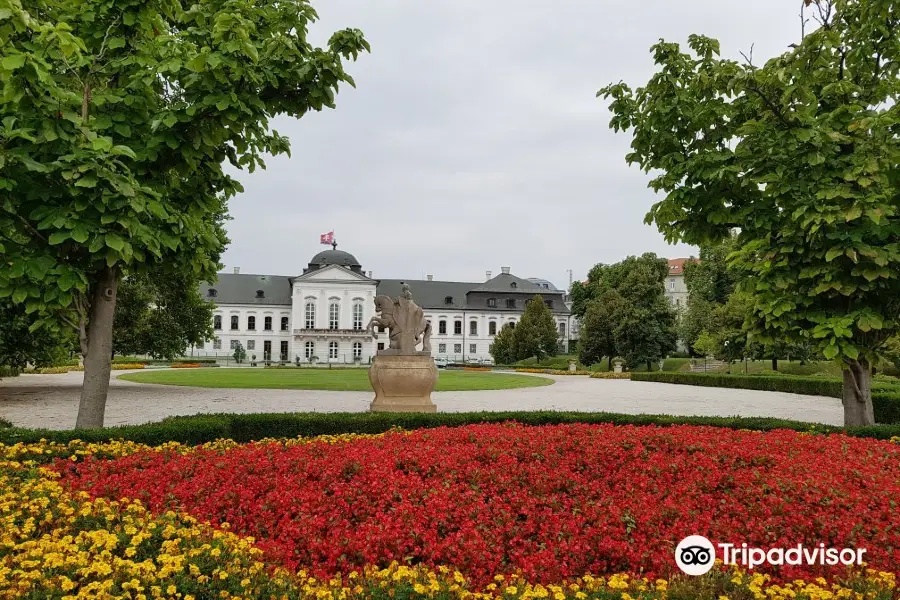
248	427
6	371
885	396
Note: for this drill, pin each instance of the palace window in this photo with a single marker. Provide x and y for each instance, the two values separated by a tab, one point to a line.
510	303
212	293
234	344
284	323
334	311
310	315
357	349
251	344
217	322
332	349
442	348
284	350
234	322
267	323
457	327
381	345
457	348
251	323
217	343
473	348
492	328
473	327
267	350
309	350
260	294
442	327
357	316
562	330
549	303
492	303
513	285
448	300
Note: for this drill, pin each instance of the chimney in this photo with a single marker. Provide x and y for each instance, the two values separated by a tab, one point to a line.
369	275
430	277
487	275
237	270
505	270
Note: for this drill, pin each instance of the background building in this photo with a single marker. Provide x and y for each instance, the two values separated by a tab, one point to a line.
324	311
676	289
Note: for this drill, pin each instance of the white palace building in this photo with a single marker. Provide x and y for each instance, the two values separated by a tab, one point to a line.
324	311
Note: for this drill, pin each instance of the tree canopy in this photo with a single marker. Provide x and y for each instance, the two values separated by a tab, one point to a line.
117	119
801	153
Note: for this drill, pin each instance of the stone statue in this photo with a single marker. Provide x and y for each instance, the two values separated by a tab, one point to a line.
405	320
402	376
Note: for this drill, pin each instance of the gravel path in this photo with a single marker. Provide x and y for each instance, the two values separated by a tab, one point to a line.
51	401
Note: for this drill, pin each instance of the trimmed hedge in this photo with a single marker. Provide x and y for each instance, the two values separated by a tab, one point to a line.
249	427
885	396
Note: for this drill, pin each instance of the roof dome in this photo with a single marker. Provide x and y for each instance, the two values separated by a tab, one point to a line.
334	257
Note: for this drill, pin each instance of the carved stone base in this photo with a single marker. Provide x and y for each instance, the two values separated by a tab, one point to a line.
403	383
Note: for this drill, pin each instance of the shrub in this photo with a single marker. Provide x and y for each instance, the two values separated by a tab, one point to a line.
7	371
551	371
123	366
186	365
610	375
885	396
4	424
243	428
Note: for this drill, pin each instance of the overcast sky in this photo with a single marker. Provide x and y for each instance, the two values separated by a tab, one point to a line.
474	140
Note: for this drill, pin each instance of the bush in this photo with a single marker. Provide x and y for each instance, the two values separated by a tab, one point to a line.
4	424
123	366
7	371
885	396
565	371
249	427
610	375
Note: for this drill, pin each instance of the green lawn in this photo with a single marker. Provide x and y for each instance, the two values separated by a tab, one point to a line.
356	380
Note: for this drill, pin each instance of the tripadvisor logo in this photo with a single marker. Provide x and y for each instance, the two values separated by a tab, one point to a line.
695	555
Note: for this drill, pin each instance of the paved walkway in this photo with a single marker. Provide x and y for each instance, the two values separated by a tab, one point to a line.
51	401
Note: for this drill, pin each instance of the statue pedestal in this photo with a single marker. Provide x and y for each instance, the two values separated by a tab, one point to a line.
403	382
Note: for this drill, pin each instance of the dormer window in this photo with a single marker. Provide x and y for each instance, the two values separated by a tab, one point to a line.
448	300
260	294
211	293
513	285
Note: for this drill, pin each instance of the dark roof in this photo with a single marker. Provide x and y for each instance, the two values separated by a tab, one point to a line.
502	284
334	257
233	288
428	294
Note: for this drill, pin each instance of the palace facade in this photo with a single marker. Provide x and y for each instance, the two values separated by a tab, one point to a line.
323	312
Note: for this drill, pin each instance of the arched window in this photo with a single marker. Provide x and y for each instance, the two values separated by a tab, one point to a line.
217	322
473	327
562	330
284	323
334	312
442	327
234	322
457	327
251	323
267	323
310	349
357	349
492	328
332	349
310	315
357	316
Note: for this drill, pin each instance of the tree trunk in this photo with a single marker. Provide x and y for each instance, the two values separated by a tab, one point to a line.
774	363
609	363
98	358
857	394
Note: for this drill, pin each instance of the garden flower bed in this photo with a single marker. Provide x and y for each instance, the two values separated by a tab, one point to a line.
504	510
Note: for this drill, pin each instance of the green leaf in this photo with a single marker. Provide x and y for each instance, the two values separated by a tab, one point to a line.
12	62
854	212
830	351
80	235
116	42
88	181
114	241
58	237
19	295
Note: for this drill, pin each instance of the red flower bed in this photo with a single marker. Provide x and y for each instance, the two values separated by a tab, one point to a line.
555	501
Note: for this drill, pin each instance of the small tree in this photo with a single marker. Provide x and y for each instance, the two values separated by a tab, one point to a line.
598	327
239	353
501	348
536	334
801	154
